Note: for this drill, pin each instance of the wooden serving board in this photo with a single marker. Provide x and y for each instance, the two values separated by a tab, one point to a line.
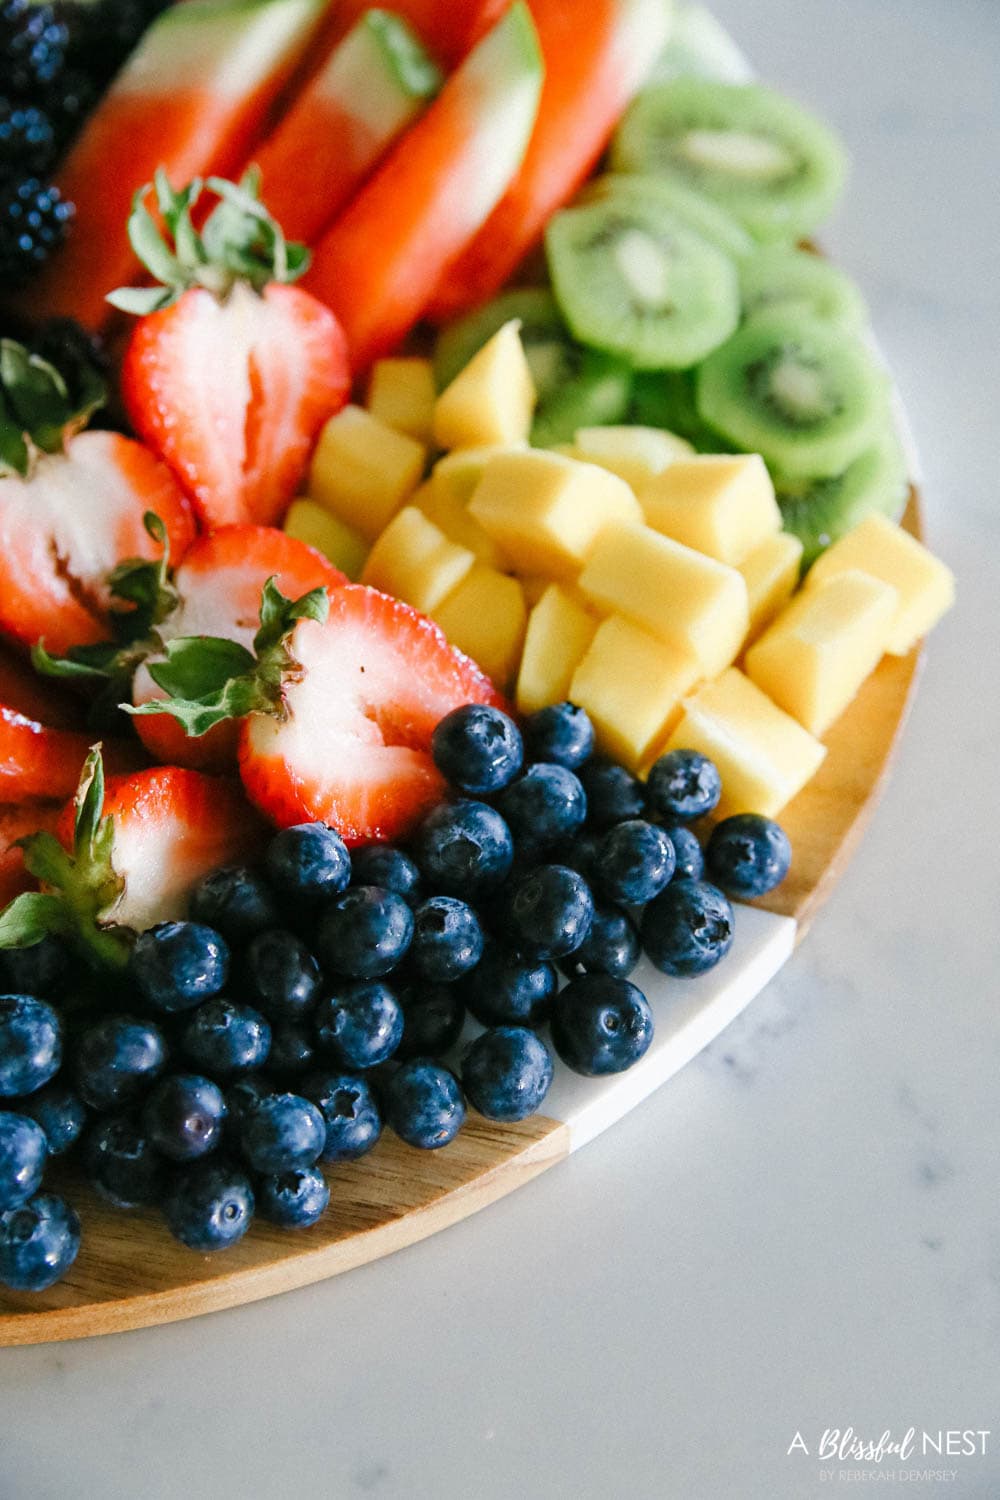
131	1274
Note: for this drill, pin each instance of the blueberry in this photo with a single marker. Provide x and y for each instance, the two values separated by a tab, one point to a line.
561	733
464	849
381	864
308	862
447	939
613	794
634	863
39	1241
183	1116
748	855
177	965
223	1039
683	785
580	853
293	1199
283	977
505	989
38	970
549	912
506	1073
688	928
477	748
117	1059
284	1131
293	1050
360	1025
611	946
365	932
546	805
60	1112
30	1044
601	1024
241	1098
209	1205
425	1106
433	1015
690	863
235	901
23	1153
350	1113
122	1163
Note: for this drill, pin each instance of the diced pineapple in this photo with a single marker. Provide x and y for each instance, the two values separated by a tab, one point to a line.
486	616
559	632
441	505
925	586
414	560
771	572
457	474
319	528
814	657
363	470
635	454
492	399
721	504
689	600
547	511
764	757
401	393
631	684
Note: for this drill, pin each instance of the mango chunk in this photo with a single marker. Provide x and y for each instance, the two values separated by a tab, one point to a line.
457	474
401	393
547	511
363	470
764	756
559	631
771	573
440	505
486	617
814	657
631	683
636	454
492	399
414	560
689	600
317	527
720	504
925	586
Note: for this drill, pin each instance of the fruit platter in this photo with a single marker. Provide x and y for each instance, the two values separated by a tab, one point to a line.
461	586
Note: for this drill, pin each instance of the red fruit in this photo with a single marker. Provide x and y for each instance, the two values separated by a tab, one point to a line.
37	761
65	527
36	697
219	585
15	823
353	749
232	394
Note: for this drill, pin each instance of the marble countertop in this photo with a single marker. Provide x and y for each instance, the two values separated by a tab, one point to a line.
802	1230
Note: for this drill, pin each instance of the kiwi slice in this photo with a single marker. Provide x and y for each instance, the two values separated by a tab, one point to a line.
800	282
665	398
818	511
773	166
633	278
807	397
700	45
704	216
597	395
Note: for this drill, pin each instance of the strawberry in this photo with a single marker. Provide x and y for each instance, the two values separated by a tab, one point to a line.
17	823
231	372
24	691
39	761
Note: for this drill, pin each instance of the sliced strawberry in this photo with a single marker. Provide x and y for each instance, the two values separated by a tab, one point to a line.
353	746
36	697
36	761
15	823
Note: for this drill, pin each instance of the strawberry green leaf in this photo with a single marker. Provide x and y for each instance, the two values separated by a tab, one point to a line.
146	585
31	917
37	411
197	666
278	614
45	858
15	457
89	802
234	699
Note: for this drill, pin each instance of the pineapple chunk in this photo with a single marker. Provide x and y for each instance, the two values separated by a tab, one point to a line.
547	511
691	601
631	683
441	505
559	631
363	470
635	454
314	525
401	393
764	757
925	586
492	400
720	504
457	474
817	653
486	616
771	572
414	560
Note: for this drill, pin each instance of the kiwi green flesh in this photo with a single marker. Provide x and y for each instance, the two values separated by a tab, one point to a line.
819	511
666	398
700	213
800	282
597	395
541	325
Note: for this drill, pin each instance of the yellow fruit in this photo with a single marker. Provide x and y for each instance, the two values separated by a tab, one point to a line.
440	505
546	511
924	585
635	454
764	757
720	504
485	616
313	524
814	657
401	393
363	470
457	474
414	560
492	399
771	573
691	601
631	683
559	632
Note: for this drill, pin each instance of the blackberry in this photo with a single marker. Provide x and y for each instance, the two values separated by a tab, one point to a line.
78	355
33	221
72	102
33	45
27	139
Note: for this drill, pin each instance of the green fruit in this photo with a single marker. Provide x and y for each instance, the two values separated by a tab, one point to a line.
799	282
819	511
665	398
699	212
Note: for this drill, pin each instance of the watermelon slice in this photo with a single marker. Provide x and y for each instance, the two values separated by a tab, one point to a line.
450	28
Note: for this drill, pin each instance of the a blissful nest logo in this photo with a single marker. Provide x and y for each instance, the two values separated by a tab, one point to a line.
913	1457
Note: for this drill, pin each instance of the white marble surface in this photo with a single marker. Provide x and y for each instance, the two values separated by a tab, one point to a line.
800	1231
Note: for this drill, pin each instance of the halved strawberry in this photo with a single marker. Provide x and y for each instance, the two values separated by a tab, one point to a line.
23	690
39	761
15	823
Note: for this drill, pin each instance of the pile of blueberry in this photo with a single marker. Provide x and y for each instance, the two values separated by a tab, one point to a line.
310	1000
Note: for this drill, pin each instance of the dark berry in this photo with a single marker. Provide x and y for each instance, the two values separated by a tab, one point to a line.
634	863
241	1098
690	862
72	102
688	928
293	1050
561	733
39	1241
360	1025
236	901
381	864
506	1073
78	354
547	804
505	989
293	1199
283	977
122	1163
177	965
580	853
611	946
27	140
308	862
477	748
183	1116
23	1153
683	785
350	1113
223	1039
60	1112
447	940
30	1044
33	46
549	912
365	932
601	1024
117	1060
464	849
433	1015
613	794
285	1131
34	218
748	855
209	1205
38	970
424	1104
